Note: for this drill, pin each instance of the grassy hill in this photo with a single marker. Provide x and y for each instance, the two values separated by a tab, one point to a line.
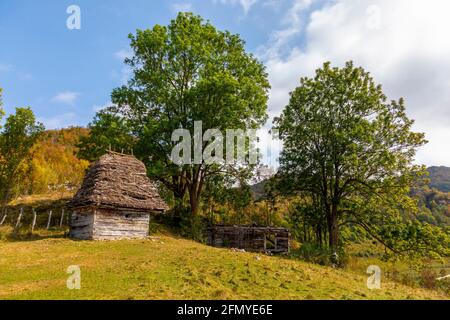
167	267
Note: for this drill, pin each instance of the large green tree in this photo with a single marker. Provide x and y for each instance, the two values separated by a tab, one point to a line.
19	134
185	72
346	144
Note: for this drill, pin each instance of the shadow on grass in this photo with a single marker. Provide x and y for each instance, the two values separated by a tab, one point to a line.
11	236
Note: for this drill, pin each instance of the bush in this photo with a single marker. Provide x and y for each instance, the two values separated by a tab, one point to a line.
428	278
313	253
180	221
444	286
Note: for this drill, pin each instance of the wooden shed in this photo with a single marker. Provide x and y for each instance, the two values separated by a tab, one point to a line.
250	238
115	200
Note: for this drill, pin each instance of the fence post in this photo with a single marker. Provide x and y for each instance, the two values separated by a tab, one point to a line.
49	219
4	217
33	223
62	218
16	228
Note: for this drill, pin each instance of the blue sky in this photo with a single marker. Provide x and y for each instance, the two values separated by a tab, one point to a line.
65	75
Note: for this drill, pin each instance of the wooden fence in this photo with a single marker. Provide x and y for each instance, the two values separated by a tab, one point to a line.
29	218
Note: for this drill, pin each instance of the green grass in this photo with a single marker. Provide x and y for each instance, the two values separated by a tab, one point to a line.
173	268
420	272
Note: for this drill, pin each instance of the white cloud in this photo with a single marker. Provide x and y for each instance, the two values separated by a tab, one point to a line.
125	72
272	4
5	67
97	108
66	97
182	6
25	76
269	147
122	54
245	4
403	43
59	121
125	75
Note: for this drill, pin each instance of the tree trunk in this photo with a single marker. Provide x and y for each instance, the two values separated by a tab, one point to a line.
319	235
194	202
334	234
333	228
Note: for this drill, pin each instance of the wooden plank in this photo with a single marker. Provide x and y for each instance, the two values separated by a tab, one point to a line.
82	222
119	225
250	238
49	219
4	217
62	218
33	223
81	226
17	226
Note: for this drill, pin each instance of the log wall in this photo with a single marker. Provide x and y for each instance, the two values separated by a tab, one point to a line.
81	225
250	238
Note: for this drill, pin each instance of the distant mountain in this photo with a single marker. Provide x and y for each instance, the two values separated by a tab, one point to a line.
258	189
440	178
262	175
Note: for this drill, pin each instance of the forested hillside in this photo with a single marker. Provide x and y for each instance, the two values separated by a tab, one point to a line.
434	205
54	165
439	178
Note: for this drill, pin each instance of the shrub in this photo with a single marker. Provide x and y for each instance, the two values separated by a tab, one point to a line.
320	255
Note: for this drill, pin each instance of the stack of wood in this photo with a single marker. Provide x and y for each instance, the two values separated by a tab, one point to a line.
250	238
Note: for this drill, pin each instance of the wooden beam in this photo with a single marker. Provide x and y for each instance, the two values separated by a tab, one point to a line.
62	218
49	219
33	223
17	226
4	216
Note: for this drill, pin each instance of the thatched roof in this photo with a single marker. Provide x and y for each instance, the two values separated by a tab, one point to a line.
120	181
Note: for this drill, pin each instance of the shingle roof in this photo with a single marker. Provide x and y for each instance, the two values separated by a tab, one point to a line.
118	180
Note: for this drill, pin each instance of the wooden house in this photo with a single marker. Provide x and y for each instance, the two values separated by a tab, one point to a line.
115	200
250	238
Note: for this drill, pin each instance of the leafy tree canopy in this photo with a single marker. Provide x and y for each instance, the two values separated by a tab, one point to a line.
16	139
346	144
184	72
108	131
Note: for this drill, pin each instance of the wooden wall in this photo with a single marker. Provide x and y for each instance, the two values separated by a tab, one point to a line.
264	239
81	224
108	224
